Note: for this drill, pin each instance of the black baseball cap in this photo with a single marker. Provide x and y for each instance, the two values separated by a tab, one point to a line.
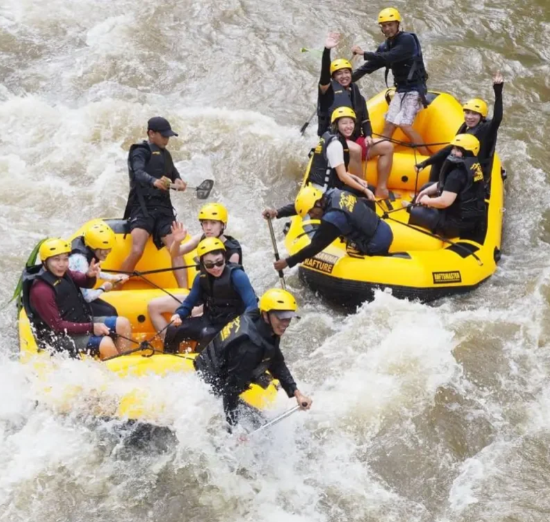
162	125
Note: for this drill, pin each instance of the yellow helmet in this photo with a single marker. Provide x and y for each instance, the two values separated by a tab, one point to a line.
278	300
306	198
213	211
467	142
99	236
338	65
209	244
53	247
390	14
342	112
476	105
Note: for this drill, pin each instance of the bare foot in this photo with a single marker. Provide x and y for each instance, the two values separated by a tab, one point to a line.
405	203
382	193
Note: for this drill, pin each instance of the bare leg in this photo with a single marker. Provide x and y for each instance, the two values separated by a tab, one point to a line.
384	150
355	158
124	328
414	137
389	129
180	275
159	306
139	239
107	348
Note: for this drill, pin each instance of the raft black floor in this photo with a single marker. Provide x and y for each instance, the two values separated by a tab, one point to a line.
351	294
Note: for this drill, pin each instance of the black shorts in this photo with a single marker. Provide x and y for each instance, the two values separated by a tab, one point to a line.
157	223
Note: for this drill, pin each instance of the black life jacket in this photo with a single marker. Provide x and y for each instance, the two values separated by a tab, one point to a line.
409	74
158	165
341	97
247	328
469	207
320	173
221	301
364	220
79	247
232	246
69	300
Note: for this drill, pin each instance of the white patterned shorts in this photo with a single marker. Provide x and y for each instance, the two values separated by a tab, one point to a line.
404	107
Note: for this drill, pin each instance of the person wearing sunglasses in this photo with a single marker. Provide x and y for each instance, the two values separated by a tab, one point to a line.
248	347
213	219
225	290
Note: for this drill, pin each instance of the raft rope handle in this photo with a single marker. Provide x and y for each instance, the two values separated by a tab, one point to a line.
431	234
143	345
408	143
147	272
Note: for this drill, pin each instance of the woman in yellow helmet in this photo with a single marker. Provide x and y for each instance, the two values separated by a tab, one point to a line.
213	219
95	244
225	290
477	124
62	319
455	206
247	348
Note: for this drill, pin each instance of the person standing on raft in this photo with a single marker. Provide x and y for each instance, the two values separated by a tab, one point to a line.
149	209
401	52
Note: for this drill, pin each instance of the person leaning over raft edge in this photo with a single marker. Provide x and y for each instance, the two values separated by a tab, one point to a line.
342	215
149	209
248	347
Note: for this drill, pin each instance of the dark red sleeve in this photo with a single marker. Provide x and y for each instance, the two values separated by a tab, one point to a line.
43	300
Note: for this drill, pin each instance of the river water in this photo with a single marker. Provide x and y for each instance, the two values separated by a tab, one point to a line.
421	413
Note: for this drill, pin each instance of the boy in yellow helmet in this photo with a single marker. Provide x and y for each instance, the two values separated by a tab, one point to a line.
248	347
455	206
225	290
401	52
213	218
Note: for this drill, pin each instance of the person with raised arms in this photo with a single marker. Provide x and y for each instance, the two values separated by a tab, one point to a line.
213	220
149	209
475	123
342	215
223	288
246	348
401	52
95	244
337	91
61	317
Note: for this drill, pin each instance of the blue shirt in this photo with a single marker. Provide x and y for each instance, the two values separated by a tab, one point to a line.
241	283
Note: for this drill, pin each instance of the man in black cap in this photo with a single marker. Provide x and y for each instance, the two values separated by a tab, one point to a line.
149	210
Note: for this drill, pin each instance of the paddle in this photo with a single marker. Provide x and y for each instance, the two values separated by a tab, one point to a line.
276	253
203	190
272	422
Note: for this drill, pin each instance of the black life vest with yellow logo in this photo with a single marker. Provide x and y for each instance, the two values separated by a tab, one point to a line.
469	206
247	328
158	165
363	220
341	97
221	301
320	172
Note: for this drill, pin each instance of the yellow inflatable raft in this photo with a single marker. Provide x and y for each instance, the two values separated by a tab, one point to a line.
420	266
131	302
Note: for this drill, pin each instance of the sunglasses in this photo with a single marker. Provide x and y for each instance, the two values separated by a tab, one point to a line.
212	264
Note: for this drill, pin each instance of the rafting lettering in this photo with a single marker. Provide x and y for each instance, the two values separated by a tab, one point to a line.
323	262
446	277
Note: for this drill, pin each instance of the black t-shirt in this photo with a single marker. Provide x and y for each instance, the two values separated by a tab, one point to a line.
455	183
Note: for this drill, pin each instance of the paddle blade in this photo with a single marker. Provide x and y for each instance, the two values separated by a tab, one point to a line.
204	189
